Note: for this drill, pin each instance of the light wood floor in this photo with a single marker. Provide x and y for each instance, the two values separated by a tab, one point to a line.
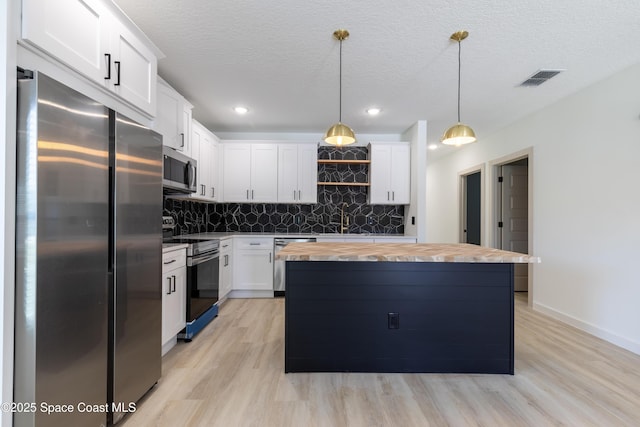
232	375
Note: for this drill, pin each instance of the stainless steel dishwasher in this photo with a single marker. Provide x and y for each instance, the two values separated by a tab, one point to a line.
278	266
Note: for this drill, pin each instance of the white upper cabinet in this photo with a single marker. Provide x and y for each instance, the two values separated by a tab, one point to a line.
237	172
196	141
215	178
264	173
390	173
250	173
204	146
133	69
90	38
173	119
297	173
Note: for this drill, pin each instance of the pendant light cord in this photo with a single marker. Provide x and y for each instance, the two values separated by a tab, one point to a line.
340	93
459	68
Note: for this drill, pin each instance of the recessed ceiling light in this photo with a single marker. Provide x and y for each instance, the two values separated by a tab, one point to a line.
373	111
241	110
433	147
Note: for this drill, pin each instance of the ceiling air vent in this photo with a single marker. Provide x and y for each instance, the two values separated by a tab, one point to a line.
540	77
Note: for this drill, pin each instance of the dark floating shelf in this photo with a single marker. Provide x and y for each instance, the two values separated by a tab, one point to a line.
344	162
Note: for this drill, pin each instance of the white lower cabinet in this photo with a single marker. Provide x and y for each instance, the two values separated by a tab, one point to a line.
174	303
226	268
374	239
253	264
395	240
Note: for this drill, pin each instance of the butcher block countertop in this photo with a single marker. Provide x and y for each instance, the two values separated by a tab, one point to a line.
400	252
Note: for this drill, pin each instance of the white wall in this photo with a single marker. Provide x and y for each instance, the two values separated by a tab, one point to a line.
8	11
361	139
586	204
417	135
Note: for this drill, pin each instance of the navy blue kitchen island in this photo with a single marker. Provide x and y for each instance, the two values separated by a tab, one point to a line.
359	307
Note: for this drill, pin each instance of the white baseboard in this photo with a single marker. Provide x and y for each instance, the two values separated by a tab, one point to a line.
238	293
625	343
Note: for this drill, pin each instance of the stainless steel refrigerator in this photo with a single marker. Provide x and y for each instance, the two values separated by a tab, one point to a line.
88	258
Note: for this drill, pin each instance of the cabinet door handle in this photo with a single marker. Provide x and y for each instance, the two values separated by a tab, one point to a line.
388	195
213	192
251	194
299	196
117	64
169	279
269	257
170	262
247	194
294	194
393	195
254	244
108	58
174	284
182	140
226	260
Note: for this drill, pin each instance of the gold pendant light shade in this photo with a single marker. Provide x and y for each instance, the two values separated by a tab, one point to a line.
459	134
340	134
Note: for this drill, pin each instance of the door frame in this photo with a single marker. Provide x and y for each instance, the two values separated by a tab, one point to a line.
462	201
494	171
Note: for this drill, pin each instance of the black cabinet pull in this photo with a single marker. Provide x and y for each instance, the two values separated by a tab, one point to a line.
117	64
174	284
169	293
108	57
182	139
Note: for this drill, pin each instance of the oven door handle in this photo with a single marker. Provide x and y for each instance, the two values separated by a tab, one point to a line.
199	260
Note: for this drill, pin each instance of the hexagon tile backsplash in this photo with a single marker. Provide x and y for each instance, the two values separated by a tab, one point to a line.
323	217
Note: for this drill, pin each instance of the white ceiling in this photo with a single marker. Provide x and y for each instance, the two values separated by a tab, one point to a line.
279	59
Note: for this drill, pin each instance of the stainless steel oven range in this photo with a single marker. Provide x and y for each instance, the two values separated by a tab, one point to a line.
203	272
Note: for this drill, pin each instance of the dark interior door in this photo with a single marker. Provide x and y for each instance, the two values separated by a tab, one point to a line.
473	208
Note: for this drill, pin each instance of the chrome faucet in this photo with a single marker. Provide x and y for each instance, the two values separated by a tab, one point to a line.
344	219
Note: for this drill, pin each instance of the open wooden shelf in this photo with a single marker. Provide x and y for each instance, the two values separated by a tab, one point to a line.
344	162
355	184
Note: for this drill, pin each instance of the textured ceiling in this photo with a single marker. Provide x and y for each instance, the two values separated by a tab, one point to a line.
279	59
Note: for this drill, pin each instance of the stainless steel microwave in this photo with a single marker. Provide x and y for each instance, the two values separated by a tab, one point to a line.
178	172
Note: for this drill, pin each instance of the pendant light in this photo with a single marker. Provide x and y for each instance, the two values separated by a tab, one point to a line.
459	133
340	134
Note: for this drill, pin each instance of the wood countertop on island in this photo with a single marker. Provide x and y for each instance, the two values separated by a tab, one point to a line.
401	252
